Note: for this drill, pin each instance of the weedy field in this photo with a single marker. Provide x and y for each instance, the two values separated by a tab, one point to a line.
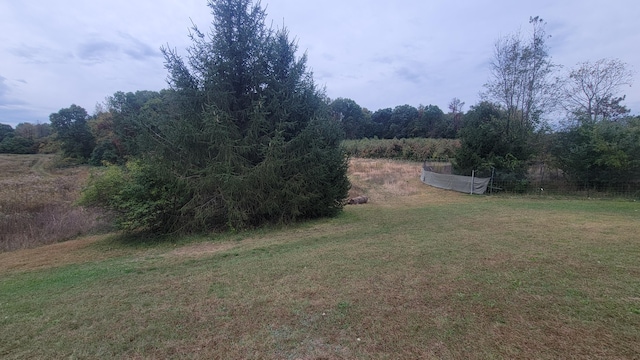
416	273
37	202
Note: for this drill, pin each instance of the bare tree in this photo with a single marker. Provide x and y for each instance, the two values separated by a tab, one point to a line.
455	106
521	76
590	91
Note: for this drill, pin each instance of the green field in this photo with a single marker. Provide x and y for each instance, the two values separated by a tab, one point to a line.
416	273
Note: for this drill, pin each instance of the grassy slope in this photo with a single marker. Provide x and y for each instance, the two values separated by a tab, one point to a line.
416	273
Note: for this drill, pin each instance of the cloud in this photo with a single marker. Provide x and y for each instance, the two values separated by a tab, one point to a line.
137	49
97	50
40	54
13	111
410	74
4	89
6	100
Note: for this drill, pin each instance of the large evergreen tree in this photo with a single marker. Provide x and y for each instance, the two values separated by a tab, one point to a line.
244	138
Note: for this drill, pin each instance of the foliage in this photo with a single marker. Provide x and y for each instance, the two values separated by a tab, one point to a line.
380	121
242	138
117	125
17	145
602	154
105	152
432	123
5	130
416	149
489	142
355	121
401	119
406	121
33	132
590	91
70	126
142	196
27	138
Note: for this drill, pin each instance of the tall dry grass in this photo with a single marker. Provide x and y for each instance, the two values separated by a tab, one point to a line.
386	182
37	203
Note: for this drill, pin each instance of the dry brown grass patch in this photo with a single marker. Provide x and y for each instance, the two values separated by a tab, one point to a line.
37	203
388	182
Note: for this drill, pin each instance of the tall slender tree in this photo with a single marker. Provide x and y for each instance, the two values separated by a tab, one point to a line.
521	77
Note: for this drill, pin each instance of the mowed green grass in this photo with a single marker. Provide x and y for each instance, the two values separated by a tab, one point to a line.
428	274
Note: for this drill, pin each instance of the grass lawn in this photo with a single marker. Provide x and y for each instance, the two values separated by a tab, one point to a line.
416	273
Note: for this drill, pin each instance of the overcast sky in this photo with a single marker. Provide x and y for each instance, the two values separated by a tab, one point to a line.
380	53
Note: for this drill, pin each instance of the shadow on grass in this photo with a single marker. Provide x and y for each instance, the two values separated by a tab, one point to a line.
148	240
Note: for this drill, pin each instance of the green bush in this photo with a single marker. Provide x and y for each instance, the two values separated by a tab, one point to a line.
17	145
140	195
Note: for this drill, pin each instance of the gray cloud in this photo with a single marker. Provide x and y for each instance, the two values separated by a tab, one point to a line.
13	111
40	54
382	59
97	50
409	74
6	100
4	88
100	50
137	49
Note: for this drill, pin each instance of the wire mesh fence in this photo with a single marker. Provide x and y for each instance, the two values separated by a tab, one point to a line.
562	187
543	181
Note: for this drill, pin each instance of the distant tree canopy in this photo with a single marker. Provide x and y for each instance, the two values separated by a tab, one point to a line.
406	121
71	128
355	121
25	139
118	125
5	131
242	138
